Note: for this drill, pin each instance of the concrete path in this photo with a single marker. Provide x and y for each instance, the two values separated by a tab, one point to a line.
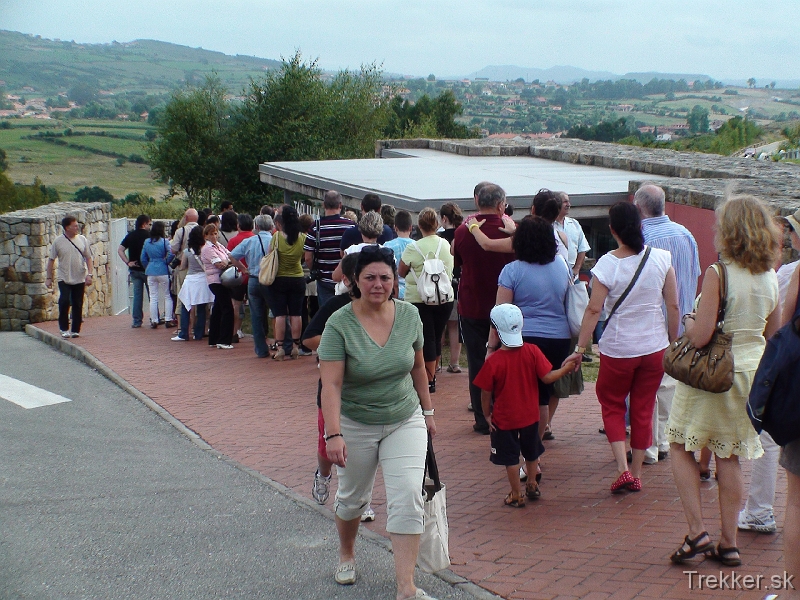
578	541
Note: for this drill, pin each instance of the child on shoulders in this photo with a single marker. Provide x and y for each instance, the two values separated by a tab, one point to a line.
510	375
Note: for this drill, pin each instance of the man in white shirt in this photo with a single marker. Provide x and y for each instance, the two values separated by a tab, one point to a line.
578	245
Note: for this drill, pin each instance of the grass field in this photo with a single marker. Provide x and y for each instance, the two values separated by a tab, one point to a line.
68	170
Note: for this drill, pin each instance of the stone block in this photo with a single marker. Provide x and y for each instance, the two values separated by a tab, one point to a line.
21	240
23	228
14	287
36	289
23	302
22	265
38	228
16	325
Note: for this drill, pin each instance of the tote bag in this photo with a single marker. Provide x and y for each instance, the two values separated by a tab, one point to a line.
434	547
268	267
577	301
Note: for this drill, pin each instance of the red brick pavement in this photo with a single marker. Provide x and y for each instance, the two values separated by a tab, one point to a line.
578	541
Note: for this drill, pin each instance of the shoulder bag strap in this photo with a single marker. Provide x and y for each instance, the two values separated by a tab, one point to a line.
630	285
260	243
76	248
166	251
723	294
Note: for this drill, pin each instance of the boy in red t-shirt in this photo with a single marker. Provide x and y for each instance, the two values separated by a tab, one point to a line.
511	376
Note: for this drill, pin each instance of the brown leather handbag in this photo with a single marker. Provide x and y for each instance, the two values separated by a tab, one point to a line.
709	368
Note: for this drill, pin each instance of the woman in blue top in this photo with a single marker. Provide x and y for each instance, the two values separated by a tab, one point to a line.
537	283
155	258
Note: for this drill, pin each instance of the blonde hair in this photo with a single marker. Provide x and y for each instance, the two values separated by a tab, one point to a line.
746	234
349	214
427	220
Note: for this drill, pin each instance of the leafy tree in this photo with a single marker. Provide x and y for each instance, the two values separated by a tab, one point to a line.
698	119
751	82
431	77
93	194
83	92
772	85
18	196
3	160
190	146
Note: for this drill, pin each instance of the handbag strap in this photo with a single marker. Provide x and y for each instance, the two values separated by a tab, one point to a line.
722	271
630	285
431	468
83	256
260	243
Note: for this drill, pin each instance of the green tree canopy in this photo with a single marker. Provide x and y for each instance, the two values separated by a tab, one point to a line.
698	119
93	194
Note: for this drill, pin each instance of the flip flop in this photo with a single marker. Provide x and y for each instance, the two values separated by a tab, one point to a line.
345	573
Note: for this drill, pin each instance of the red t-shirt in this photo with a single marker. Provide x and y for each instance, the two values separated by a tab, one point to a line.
477	288
513	376
235	241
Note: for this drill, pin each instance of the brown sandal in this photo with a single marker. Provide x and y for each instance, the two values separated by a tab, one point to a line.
532	490
694	548
514	501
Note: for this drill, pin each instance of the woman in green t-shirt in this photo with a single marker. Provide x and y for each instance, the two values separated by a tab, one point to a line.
285	295
377	408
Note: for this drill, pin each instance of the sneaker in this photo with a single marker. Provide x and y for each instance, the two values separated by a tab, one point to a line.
136	326
225	346
320	491
74	334
304	352
66	334
178	338
368	515
750	522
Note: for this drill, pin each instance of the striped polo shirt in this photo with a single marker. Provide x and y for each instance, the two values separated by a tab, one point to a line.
327	258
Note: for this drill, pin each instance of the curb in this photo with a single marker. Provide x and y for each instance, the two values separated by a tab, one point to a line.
82	355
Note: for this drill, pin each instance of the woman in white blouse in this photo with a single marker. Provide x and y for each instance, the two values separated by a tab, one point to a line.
636	335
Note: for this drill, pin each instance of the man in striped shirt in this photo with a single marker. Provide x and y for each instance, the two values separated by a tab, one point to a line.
329	228
661	232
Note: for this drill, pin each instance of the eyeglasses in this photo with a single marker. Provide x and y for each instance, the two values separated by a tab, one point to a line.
380	250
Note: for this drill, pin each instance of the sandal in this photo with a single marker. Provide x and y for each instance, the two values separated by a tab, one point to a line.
345	573
453	369
705	475
548	435
280	354
695	548
514	501
532	491
725	556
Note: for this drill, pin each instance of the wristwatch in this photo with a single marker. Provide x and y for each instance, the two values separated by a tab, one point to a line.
579	350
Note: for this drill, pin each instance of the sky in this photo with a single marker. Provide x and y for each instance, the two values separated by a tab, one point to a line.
725	39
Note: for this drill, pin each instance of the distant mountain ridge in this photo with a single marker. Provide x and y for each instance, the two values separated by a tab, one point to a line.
567	74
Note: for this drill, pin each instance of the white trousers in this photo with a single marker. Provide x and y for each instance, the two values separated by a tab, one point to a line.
762	479
660	415
159	291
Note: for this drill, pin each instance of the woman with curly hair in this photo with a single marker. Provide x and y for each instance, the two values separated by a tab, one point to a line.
537	283
748	242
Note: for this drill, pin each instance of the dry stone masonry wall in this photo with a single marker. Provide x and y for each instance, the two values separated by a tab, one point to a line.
25	240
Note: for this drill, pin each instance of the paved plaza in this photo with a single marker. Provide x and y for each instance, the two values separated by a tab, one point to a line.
577	541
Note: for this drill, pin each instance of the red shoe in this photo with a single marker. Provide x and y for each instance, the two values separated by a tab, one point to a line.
635	485
622	483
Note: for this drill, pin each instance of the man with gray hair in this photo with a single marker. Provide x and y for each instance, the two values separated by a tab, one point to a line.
661	232
477	289
321	249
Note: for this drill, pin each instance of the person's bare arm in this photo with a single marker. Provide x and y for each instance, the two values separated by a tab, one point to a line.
123	257
308	258
420	379
670	293
504	296
576	269
590	318
331	373
488	244
403	269
700	329
49	269
486	405
790	303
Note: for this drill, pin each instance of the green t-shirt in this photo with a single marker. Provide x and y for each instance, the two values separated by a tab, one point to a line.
377	388
290	257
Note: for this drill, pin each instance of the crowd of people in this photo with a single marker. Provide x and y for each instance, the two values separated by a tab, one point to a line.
499	287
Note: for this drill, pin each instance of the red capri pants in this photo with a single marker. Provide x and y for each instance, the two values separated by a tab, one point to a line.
638	377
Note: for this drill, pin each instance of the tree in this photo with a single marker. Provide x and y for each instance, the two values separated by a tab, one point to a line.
3	160
190	146
751	82
431	77
772	85
93	194
698	119
83	92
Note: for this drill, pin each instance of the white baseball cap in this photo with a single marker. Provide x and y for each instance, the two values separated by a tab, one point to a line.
507	318
794	221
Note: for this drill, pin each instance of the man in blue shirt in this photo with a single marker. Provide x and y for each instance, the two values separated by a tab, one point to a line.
661	232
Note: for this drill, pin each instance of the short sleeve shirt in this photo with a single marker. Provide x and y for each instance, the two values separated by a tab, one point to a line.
415	260
377	388
289	256
638	328
512	375
72	256
133	243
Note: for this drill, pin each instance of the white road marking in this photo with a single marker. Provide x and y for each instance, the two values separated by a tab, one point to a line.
27	395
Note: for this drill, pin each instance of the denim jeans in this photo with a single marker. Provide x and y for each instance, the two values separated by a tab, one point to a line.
325	291
139	281
199	322
259	310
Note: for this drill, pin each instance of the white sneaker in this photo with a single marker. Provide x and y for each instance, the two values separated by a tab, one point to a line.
178	338
320	490
368	515
74	334
225	346
241	334
66	334
749	522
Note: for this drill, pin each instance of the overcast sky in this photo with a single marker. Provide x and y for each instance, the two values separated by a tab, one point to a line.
725	39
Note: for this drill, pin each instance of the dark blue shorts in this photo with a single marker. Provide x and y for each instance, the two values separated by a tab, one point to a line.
508	445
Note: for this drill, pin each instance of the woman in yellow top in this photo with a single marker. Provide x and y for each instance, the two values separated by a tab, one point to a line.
748	243
285	295
434	316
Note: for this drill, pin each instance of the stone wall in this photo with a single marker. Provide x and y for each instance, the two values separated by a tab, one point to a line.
25	240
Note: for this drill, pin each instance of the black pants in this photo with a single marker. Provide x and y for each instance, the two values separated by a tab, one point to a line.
476	335
70	295
434	320
220	327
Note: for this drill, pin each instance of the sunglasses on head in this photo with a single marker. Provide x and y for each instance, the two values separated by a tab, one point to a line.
379	250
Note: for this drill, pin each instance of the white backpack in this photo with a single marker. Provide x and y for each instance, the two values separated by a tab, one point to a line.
433	284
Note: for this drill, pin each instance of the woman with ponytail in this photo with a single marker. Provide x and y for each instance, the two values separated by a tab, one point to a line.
636	335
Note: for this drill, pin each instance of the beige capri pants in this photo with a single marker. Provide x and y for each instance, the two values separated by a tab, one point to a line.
400	449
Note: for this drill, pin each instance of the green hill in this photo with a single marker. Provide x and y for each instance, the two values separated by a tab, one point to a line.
52	66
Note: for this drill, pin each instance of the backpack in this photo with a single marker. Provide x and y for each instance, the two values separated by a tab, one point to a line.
774	402
433	284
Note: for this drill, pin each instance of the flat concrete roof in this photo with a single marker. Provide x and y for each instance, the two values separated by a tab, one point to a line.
413	178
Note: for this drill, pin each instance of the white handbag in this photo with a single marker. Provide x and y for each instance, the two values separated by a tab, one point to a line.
434	548
577	301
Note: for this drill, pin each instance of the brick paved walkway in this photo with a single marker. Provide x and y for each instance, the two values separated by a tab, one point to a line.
578	541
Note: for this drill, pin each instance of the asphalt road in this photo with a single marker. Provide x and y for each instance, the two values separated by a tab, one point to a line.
101	498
